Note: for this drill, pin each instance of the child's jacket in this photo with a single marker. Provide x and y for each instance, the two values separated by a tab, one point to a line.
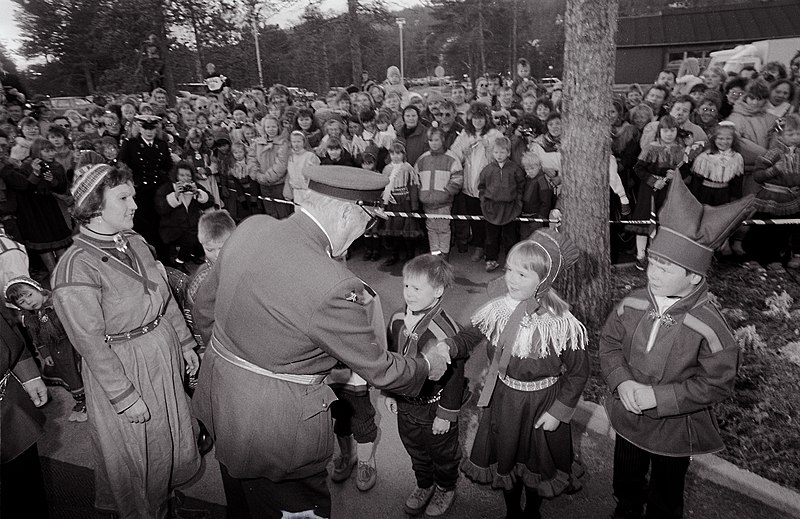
691	366
501	190
440	177
434	326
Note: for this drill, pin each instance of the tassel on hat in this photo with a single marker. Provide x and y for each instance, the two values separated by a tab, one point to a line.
689	231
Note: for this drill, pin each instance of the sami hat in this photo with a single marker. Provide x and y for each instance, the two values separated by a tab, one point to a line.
87	178
560	251
148	122
347	183
689	231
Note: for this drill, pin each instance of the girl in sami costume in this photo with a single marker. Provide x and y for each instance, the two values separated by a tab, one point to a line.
538	370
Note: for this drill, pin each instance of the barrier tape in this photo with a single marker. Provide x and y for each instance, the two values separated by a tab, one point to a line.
401	214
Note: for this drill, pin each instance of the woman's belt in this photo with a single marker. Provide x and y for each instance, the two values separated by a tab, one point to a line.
422	400
239	362
784	190
534	385
716	185
138	332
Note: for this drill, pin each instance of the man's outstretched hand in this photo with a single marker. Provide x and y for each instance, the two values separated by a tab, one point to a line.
438	358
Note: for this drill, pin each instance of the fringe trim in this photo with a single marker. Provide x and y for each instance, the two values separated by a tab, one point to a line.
556	334
719	167
561	483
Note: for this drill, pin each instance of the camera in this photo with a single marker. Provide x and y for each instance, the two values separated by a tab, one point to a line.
44	167
186	188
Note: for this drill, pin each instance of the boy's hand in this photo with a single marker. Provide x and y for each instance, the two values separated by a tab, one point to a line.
192	362
48	361
547	422
440	425
627	393
391	404
659	184
645	398
138	412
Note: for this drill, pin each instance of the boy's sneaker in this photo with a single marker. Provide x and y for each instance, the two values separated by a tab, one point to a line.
78	412
491	266
641	263
366	475
343	467
418	500
440	502
477	254
794	263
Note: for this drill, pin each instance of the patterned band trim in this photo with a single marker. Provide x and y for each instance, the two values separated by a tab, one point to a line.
534	385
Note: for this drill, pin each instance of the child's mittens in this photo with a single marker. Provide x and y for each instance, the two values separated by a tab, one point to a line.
440	426
391	404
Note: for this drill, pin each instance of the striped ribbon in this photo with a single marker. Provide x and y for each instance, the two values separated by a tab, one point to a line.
402	214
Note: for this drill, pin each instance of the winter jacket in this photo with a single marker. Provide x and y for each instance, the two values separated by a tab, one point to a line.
441	178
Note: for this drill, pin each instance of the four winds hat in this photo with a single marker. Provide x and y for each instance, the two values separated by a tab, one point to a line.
689	231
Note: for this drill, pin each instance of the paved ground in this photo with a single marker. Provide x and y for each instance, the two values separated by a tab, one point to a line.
68	459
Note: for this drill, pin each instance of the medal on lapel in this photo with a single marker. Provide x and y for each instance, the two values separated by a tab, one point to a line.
120	243
666	319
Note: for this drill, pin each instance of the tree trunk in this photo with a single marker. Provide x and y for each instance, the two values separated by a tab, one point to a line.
326	66
198	56
589	56
481	46
161	31
514	16
355	41
87	76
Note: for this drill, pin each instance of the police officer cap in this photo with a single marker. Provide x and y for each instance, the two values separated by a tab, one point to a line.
346	183
148	122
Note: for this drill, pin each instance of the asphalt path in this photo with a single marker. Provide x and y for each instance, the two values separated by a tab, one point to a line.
68	458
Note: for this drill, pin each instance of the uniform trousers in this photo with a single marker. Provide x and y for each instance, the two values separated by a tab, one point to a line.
435	458
22	490
261	498
438	230
664	493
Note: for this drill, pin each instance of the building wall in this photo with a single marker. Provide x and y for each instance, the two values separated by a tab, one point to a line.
639	65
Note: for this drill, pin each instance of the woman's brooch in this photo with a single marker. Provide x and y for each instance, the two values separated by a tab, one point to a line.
120	243
665	319
527	321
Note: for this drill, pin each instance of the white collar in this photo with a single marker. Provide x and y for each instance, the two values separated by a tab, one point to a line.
314	219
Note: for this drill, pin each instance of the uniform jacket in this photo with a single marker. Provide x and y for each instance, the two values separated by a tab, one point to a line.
22	421
277	299
150	165
434	326
691	366
440	178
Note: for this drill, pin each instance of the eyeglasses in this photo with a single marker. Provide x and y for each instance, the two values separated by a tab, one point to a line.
447	114
373	220
736	93
483	84
708	109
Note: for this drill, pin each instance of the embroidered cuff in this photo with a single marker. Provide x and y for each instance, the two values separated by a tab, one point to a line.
617	377
447	414
666	400
561	411
125	399
188	344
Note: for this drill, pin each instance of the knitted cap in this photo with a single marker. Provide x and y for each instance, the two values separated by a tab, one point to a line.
87	178
21	279
560	251
689	231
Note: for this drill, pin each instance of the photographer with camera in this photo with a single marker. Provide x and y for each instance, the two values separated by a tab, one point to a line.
180	205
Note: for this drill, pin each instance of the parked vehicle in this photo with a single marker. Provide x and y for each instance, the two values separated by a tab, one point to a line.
59	105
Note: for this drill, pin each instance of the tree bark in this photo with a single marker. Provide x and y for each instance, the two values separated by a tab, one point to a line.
481	43
589	55
198	57
161	31
355	41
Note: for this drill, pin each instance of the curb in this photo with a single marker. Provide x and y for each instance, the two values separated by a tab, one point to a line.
707	466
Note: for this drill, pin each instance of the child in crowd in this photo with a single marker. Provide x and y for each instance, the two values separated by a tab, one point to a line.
539	197
335	154
501	186
372	238
196	153
539	368
180	205
30	131
718	165
394	85
307	123
59	359
59	137
109	148
400	195
393	103
668	356
334	129
428	422
270	153
441	178
240	184
658	164
778	172
386	134
300	157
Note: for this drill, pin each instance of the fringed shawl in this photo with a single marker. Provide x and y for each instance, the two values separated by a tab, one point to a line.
719	167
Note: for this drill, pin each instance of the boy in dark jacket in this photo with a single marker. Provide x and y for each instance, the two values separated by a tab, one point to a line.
336	155
428	423
668	356
539	198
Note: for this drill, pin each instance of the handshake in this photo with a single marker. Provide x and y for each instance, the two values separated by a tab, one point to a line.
438	356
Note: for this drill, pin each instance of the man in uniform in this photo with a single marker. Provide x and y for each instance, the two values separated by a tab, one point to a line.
150	161
280	312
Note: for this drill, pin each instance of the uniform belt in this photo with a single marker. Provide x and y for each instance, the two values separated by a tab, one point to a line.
534	385
711	183
784	190
422	400
138	332
239	362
